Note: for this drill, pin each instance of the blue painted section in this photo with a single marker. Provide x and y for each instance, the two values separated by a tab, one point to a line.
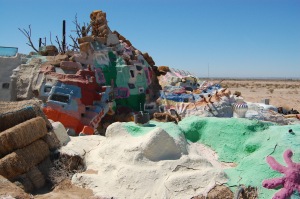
105	95
176	93
177	97
210	89
72	90
8	51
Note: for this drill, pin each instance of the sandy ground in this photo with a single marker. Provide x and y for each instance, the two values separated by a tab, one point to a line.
64	190
68	191
281	93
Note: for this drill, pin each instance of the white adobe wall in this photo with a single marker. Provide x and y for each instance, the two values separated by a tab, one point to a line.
7	64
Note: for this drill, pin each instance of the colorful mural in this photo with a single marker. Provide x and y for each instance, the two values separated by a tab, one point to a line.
78	92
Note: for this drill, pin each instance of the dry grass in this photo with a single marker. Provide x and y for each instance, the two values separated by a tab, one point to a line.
64	168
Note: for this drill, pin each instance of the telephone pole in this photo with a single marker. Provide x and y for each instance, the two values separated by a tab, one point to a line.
208	71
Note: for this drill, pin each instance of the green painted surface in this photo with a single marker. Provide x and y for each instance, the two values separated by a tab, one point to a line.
110	71
133	101
246	143
225	135
120	74
170	127
124	77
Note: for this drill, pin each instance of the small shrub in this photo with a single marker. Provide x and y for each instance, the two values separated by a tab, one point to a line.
64	168
271	90
237	93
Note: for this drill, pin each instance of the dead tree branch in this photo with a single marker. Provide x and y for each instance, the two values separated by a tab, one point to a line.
75	45
27	34
77	26
81	31
59	44
51	39
86	29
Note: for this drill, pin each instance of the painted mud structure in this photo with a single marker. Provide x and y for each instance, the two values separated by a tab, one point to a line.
80	88
105	118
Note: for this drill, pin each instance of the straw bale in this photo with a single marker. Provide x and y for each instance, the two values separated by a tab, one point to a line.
13	113
52	141
85	39
13	118
24	182
36	177
45	166
85	47
163	69
22	135
21	160
15	106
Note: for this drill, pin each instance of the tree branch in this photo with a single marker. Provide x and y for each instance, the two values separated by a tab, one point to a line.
77	25
51	39
27	34
75	45
59	44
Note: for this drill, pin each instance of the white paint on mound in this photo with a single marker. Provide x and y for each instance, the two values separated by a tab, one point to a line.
159	145
60	133
154	165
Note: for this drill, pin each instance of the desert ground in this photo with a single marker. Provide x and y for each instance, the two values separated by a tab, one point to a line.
281	93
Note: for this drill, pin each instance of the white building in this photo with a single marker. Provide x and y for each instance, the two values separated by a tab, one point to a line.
7	64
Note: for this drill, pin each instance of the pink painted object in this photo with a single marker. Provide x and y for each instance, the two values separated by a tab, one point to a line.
290	182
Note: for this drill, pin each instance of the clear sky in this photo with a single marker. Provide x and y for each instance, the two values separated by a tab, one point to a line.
235	38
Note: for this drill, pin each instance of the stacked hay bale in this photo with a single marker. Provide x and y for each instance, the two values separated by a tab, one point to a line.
13	113
122	38
25	143
149	59
99	24
163	70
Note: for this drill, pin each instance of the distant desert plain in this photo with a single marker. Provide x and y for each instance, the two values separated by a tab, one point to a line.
281	93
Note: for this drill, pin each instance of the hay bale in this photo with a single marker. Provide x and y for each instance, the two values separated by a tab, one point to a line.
22	135
24	183
36	177
85	39
13	113
45	166
52	141
22	160
85	47
11	119
163	69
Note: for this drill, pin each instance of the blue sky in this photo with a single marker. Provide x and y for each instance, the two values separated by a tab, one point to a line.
236	38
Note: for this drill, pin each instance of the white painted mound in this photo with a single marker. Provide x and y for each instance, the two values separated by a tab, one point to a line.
61	133
154	165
